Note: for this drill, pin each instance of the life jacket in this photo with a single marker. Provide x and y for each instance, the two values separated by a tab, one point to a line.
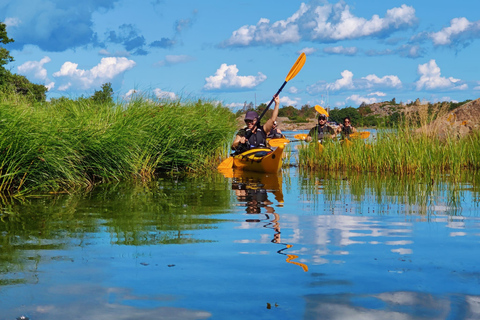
346	131
321	131
275	134
258	139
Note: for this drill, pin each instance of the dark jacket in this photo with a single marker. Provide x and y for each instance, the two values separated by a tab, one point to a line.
321	132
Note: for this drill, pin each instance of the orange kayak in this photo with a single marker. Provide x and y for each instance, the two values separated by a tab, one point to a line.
263	160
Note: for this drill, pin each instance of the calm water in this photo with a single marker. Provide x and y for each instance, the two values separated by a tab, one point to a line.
288	246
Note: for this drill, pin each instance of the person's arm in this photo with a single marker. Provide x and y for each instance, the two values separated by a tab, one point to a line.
238	139
269	124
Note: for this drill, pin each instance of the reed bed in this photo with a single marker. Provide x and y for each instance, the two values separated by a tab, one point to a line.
404	151
70	144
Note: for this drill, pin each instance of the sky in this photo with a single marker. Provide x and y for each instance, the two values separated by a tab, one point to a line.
240	52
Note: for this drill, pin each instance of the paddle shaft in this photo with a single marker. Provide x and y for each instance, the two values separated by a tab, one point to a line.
271	101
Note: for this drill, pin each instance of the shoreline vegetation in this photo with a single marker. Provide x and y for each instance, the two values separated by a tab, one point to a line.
418	146
65	144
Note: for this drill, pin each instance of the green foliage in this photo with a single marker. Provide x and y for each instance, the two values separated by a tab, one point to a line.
5	56
338	115
78	143
13	83
105	95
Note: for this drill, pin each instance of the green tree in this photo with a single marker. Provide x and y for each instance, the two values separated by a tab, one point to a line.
14	83
105	95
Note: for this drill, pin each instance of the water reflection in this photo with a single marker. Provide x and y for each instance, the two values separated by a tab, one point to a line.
394	194
251	190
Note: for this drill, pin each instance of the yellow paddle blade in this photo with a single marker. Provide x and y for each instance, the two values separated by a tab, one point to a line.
291	257
301	136
360	135
226	164
296	67
278	142
321	110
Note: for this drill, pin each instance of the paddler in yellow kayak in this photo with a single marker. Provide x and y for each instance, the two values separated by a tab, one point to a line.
253	134
321	131
347	129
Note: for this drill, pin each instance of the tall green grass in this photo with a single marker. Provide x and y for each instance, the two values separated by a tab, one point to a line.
68	144
403	151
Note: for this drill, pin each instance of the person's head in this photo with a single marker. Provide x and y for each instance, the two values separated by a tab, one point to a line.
347	121
322	119
251	118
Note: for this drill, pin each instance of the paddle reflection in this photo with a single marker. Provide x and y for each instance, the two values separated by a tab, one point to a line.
252	190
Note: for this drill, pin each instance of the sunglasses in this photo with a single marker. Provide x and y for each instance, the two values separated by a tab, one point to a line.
346	121
248	121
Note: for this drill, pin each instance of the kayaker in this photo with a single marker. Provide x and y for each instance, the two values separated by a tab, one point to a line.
275	132
346	129
321	131
254	135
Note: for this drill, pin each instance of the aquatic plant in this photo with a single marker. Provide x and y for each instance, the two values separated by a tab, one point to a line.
65	144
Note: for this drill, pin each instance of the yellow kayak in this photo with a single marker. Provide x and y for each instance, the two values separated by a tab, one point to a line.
263	160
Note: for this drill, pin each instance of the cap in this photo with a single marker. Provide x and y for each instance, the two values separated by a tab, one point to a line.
322	116
251	115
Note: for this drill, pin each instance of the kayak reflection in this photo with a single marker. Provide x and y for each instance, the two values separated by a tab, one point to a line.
252	189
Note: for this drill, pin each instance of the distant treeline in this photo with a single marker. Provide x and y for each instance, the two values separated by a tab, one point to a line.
362	116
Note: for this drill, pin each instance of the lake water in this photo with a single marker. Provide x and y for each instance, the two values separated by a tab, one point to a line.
295	245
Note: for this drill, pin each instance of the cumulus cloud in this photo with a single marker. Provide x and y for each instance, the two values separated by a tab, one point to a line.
35	70
431	79
286	101
128	36
460	30
159	93
174	59
308	51
108	70
226	77
348	51
355	98
54	25
322	23
348	83
293	90
377	93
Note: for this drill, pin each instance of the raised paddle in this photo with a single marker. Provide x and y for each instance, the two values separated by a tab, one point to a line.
298	65
293	72
321	110
278	142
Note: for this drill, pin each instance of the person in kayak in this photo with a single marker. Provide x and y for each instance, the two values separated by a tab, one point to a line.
253	134
275	132
321	131
347	129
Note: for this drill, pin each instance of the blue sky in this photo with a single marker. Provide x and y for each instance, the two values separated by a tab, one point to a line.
239	52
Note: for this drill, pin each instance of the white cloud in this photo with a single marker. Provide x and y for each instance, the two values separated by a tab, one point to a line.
174	59
355	98
293	90
431	79
459	27
12	22
235	105
226	77
106	71
286	101
346	82
378	93
159	93
322	23
348	51
123	53
308	51
35	70
387	81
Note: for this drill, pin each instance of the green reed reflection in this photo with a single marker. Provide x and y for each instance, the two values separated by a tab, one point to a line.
164	211
423	195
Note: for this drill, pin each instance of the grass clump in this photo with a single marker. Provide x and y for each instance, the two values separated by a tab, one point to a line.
426	149
67	144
